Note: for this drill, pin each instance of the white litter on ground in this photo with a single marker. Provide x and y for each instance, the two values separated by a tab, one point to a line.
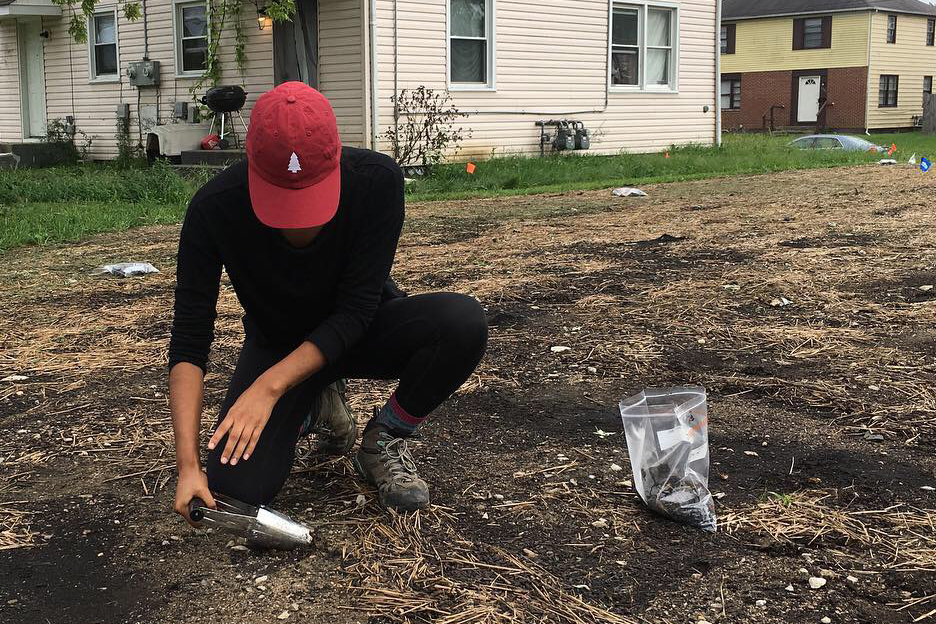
126	269
626	191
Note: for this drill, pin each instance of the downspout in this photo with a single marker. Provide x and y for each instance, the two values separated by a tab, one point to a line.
373	73
396	71
868	72
607	74
718	132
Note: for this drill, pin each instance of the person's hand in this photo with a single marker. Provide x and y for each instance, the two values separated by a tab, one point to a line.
244	423
193	483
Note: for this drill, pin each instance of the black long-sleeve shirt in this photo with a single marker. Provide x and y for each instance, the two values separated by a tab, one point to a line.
326	293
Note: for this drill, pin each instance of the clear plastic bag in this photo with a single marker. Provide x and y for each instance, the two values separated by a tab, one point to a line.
626	191
667	439
126	269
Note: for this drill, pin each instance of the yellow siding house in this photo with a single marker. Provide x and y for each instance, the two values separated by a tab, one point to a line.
842	64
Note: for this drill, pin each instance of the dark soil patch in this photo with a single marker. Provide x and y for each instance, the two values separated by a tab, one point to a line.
659	253
121	293
446	230
904	290
512	315
636	266
842	240
699	361
77	573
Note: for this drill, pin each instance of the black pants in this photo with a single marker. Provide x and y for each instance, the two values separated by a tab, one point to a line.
431	343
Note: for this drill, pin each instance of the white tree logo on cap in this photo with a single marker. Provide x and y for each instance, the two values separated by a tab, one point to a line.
294	164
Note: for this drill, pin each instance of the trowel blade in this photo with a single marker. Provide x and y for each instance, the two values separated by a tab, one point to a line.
262	527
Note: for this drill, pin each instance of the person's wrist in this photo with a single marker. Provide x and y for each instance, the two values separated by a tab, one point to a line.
188	465
271	385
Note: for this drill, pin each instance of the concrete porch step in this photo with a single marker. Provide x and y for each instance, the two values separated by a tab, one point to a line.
38	154
217	158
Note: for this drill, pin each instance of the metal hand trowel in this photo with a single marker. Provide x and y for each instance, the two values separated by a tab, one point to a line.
260	526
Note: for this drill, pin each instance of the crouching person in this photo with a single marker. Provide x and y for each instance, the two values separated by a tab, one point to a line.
307	231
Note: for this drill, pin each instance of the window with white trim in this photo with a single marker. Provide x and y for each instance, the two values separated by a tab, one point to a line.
643	47
191	37
471	43
102	43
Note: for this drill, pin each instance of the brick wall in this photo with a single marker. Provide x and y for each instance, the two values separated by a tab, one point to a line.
760	91
847	88
846	92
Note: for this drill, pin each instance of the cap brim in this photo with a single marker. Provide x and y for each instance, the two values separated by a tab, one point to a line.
285	208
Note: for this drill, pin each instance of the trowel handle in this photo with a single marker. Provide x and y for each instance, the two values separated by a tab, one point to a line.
195	509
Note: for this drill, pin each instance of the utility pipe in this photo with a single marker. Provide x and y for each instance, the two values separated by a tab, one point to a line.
373	73
868	72
718	123
396	70
145	34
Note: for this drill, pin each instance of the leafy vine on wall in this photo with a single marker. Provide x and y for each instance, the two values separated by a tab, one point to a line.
223	18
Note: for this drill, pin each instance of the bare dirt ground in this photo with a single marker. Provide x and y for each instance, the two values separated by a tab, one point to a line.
821	422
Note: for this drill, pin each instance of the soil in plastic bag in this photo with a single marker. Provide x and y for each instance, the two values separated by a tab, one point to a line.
681	495
667	440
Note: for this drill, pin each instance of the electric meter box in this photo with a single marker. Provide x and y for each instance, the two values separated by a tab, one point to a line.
143	73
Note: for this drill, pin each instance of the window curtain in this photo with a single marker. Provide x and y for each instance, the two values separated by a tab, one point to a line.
658	36
468	55
105	45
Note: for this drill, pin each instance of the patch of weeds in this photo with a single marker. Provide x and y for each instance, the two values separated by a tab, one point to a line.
782	498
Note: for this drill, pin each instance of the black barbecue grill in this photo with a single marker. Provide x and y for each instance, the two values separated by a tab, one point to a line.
225	102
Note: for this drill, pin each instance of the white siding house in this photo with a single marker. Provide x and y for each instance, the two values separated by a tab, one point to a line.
639	74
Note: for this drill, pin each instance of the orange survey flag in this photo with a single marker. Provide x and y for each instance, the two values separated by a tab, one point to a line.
470	167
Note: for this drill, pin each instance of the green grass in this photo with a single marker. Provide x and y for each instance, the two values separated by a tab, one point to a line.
739	154
39	223
99	183
39	206
61	204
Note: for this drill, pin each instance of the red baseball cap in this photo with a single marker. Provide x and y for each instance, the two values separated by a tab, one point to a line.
293	158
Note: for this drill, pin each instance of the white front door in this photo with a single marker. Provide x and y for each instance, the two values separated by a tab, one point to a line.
807	106
32	76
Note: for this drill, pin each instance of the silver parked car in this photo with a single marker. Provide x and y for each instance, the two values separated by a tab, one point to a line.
836	141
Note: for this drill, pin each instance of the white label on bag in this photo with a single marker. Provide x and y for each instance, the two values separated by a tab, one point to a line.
669	438
698	453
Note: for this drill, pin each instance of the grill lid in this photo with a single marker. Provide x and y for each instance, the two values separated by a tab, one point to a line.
225	99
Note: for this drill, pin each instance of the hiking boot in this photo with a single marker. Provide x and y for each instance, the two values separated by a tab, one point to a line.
332	421
386	463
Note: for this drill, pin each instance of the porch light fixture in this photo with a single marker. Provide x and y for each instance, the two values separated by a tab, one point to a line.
263	20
